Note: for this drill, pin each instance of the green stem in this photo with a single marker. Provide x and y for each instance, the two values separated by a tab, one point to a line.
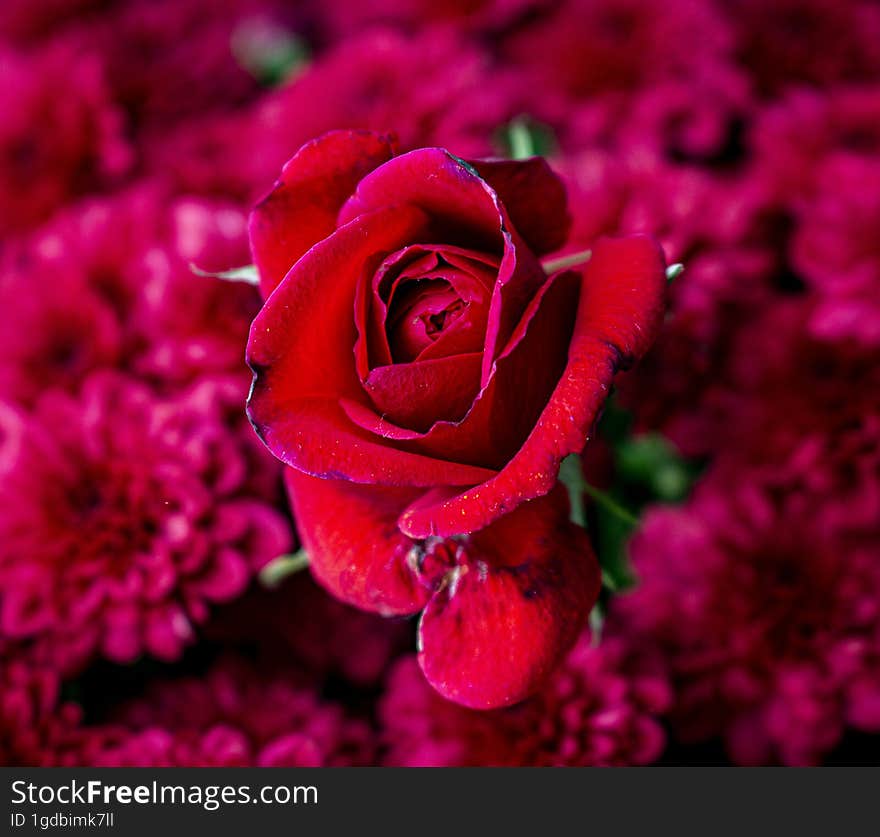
247	274
520	139
571	260
611	506
283	566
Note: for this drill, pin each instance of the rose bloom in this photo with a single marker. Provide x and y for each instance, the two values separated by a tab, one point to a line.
762	596
126	517
600	708
424	377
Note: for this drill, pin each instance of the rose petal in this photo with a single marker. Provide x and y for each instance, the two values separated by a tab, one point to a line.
464	210
301	367
301	342
316	437
506	617
534	197
416	395
520	278
303	206
619	313
355	549
470	273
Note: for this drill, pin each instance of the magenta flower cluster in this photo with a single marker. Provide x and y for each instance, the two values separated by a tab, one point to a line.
142	523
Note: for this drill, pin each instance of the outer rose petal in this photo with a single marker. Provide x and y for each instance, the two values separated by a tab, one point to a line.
505	618
317	437
619	313
355	548
301	342
460	204
303	206
534	197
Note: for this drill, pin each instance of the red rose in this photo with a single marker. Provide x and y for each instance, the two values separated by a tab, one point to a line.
423	377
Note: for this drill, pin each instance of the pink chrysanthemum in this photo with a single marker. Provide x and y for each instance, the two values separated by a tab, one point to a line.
302	621
836	248
54	333
60	135
348	18
237	714
35	729
429	88
170	60
600	708
793	399
712	226
764	603
110	283
614	47
26	21
696	121
815	41
211	157
125	517
796	136
191	325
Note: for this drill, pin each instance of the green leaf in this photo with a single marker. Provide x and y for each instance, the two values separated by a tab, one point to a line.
563	262
610	506
674	271
572	477
282	567
524	138
597	622
615	424
613	524
270	53
651	460
612	539
247	273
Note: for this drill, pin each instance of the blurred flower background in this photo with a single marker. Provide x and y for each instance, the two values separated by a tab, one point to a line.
145	618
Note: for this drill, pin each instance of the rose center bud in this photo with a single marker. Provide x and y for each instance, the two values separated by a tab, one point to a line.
421	312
